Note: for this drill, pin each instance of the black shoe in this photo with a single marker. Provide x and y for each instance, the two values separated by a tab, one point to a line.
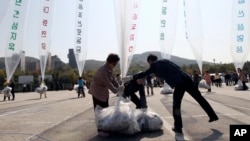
213	119
177	130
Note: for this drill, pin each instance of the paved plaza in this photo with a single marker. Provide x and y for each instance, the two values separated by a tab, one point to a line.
64	117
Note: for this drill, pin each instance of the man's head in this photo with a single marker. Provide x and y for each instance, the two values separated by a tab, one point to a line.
151	58
112	60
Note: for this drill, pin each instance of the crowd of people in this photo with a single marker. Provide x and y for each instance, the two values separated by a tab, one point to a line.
106	80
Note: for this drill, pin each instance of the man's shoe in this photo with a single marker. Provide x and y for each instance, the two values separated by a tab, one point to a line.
177	130
213	119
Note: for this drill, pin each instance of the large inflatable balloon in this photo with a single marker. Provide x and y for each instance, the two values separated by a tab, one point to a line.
45	32
81	31
168	19
4	5
193	26
16	18
240	36
127	14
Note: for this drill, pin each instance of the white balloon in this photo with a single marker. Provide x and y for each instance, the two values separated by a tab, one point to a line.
168	22
4	6
45	32
240	36
193	25
127	14
17	14
81	33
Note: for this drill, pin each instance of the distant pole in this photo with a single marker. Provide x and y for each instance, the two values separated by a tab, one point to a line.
214	61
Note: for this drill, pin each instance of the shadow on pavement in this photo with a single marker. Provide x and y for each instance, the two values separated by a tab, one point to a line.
135	137
214	136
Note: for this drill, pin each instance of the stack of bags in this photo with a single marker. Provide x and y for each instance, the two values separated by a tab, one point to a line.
123	119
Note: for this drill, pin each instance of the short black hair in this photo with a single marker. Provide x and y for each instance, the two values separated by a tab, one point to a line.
152	58
112	58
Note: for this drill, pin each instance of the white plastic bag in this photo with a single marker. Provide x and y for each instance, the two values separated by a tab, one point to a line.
148	121
166	89
239	85
42	89
119	118
203	84
7	91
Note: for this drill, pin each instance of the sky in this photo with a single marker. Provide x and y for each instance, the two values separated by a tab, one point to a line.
216	22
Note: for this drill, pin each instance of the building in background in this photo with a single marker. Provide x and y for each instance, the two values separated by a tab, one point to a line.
23	62
49	61
72	59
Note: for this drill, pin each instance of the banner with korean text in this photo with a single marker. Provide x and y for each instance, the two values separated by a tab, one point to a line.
127	14
240	36
17	14
45	32
81	33
168	22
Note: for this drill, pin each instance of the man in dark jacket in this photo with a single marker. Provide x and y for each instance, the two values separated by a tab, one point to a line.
131	87
181	82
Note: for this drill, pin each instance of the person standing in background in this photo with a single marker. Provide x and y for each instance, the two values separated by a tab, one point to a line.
242	78
207	78
196	78
81	87
12	85
149	84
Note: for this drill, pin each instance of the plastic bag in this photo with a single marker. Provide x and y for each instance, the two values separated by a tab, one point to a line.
42	89
119	118
7	91
203	84
239	85
148	121
166	89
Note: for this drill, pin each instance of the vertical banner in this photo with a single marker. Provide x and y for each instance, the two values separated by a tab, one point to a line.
127	14
193	26
14	45
81	33
4	5
168	22
240	36
45	32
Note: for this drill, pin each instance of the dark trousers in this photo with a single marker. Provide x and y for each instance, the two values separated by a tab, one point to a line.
139	102
13	95
178	94
4	98
80	90
244	85
100	103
